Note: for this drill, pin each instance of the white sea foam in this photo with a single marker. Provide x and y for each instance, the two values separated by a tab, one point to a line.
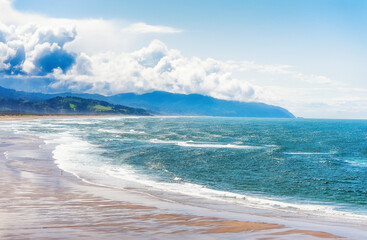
308	153
199	191
357	162
203	145
186	144
115	131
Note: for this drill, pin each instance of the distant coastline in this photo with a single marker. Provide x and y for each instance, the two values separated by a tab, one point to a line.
153	103
16	116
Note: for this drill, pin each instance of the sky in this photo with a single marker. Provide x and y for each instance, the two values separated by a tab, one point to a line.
307	56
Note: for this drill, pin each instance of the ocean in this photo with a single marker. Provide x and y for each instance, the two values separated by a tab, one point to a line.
301	166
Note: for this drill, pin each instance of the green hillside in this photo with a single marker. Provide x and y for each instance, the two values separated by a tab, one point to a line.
66	105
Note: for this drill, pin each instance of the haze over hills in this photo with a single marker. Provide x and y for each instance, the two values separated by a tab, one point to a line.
165	103
198	105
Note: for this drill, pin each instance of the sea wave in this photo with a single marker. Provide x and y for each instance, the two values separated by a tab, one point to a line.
79	158
357	162
203	192
115	131
308	153
204	145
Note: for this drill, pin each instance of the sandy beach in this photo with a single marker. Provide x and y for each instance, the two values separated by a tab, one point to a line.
40	201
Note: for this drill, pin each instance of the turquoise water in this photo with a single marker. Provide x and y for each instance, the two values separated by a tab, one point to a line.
319	165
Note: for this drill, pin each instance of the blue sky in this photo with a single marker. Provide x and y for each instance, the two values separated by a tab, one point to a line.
308	56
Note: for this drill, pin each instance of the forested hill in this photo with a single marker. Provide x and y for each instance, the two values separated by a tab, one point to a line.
66	105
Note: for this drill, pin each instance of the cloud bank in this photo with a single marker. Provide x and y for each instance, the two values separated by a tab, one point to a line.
34	50
155	67
50	48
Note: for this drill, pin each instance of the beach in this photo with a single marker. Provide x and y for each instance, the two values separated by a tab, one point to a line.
38	200
14	117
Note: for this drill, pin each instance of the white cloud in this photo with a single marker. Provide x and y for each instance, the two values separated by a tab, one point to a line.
93	35
146	28
286	70
154	68
26	48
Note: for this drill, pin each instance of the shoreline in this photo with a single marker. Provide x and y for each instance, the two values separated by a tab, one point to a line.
15	117
82	210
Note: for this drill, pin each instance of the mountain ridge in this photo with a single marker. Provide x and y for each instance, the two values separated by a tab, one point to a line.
165	103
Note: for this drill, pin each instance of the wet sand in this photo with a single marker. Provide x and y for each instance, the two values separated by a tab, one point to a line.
39	201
